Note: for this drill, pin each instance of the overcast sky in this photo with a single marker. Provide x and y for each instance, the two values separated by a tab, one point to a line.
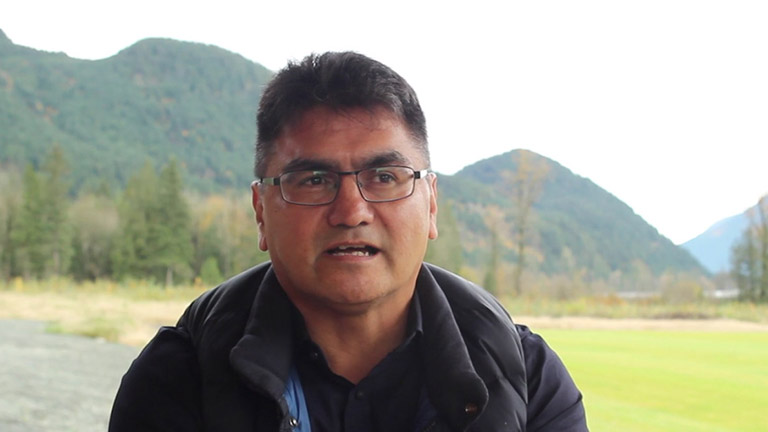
663	103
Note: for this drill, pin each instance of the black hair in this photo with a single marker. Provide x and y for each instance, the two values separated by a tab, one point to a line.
339	81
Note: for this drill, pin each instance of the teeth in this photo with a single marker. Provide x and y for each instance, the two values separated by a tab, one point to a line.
354	253
361	251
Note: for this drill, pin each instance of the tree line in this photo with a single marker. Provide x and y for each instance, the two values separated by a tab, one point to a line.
148	231
156	229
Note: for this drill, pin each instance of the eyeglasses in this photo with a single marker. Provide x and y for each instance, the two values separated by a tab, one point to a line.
316	187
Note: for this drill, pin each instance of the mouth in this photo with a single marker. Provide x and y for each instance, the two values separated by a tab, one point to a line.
353	250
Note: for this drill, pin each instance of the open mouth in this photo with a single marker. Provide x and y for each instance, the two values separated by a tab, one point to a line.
362	251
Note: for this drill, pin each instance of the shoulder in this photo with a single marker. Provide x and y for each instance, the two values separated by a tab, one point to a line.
158	390
230	300
554	401
468	298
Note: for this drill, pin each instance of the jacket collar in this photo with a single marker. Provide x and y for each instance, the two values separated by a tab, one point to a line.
454	387
263	355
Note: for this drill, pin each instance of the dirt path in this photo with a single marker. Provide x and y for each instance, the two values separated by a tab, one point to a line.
57	383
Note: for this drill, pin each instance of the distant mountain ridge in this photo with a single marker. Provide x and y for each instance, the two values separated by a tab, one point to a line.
713	247
162	98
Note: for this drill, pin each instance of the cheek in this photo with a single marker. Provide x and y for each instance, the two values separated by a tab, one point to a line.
413	228
288	228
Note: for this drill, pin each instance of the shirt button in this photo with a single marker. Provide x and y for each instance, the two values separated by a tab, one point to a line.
292	422
359	394
470	409
314	355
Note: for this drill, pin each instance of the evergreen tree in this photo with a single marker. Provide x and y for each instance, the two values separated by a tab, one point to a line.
133	253
210	273
78	263
29	233
54	206
155	239
174	236
9	219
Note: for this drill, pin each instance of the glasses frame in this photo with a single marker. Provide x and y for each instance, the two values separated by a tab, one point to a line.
275	181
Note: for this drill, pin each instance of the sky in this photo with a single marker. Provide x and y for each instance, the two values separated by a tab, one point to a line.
663	103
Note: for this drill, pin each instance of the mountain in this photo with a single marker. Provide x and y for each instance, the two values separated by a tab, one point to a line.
152	100
713	247
577	223
160	99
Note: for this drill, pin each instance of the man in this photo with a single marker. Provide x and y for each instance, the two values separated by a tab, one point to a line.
345	329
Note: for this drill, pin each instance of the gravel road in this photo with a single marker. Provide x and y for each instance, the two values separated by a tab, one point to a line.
57	383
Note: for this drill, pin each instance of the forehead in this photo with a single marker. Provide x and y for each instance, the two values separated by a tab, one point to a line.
344	140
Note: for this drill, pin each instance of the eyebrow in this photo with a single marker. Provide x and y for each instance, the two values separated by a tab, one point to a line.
393	157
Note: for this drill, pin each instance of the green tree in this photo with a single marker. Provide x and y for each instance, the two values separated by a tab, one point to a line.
155	237
750	255
210	273
133	252
173	233
29	233
54	206
9	220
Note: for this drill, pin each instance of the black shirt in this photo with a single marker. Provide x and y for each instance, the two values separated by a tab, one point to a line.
385	400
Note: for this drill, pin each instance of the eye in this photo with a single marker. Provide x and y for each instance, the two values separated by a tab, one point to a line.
308	179
315	180
385	177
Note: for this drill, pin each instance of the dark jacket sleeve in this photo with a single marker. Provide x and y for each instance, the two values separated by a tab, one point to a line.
161	390
554	402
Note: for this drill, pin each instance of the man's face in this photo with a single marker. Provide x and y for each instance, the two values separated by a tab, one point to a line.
351	254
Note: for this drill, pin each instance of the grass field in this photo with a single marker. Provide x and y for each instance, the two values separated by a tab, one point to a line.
640	380
633	378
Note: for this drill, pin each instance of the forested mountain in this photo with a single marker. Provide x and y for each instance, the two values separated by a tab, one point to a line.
163	100
573	224
154	99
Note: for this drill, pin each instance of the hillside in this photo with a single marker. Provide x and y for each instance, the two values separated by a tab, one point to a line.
154	99
577	223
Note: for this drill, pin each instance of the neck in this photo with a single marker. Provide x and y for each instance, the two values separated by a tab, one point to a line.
354	344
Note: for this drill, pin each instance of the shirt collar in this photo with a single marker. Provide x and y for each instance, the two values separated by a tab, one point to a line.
413	330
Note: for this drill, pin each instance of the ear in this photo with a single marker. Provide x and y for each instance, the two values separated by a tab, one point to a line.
258	209
432	206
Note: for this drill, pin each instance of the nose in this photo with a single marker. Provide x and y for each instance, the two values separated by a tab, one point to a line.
349	208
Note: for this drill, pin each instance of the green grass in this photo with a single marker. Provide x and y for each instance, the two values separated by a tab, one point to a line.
636	380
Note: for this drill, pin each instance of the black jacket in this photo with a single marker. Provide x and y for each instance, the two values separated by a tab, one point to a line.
224	366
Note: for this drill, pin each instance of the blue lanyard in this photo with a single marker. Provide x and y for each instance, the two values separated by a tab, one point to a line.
297	405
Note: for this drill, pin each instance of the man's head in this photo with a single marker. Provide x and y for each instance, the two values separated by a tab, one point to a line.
339	81
344	202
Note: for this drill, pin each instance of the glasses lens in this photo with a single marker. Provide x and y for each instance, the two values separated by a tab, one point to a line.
309	187
386	183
